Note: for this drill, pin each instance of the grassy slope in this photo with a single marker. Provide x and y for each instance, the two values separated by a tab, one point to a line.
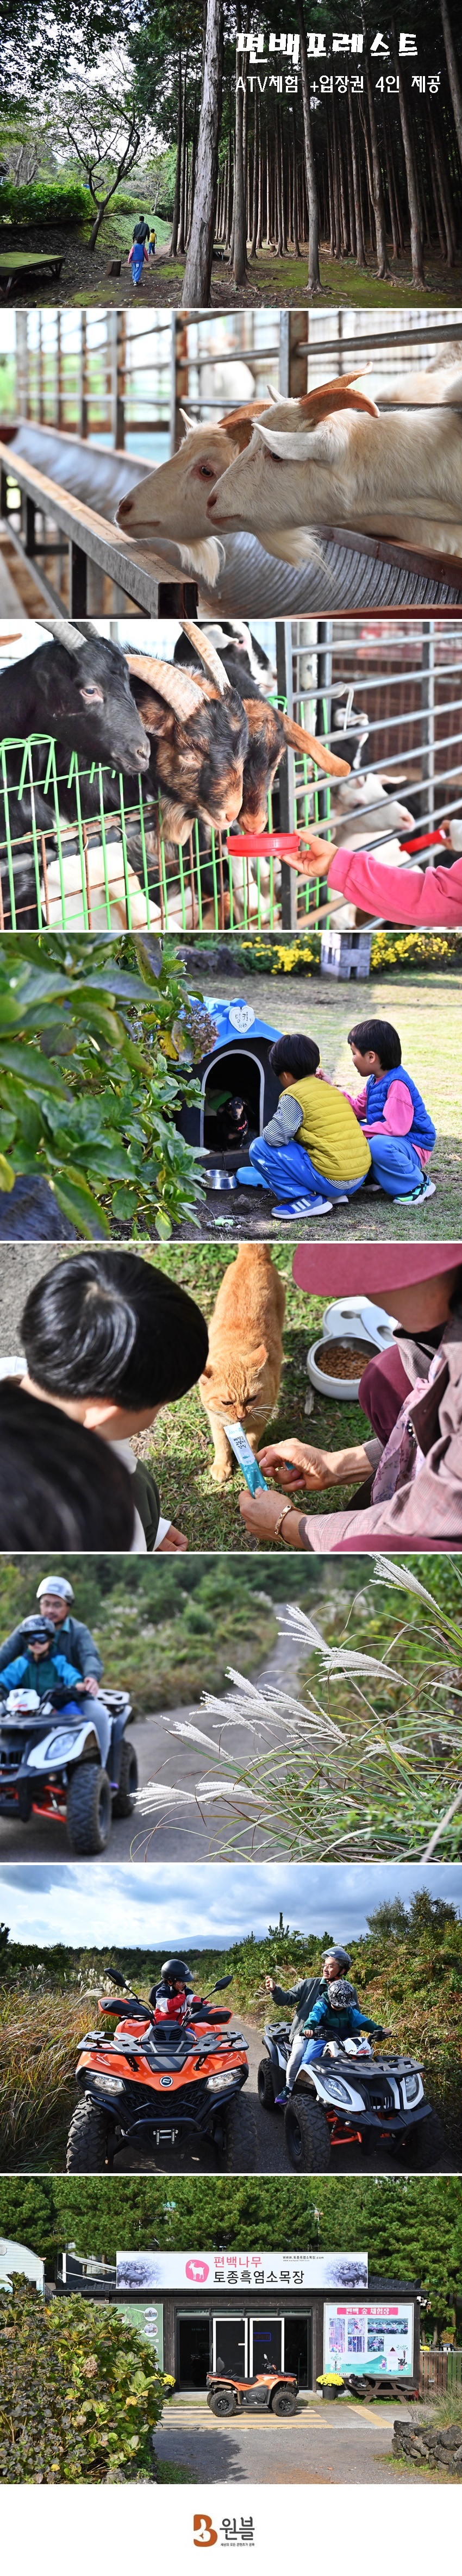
411	1987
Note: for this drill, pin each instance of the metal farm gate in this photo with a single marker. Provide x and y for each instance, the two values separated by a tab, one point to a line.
102	861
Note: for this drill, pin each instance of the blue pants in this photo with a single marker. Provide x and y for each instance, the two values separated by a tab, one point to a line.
288	1170
300	2053
137	263
395	1164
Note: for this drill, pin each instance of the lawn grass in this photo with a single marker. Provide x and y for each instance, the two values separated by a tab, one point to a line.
179	1448
426	1011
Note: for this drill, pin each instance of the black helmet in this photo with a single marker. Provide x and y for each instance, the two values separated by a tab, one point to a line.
36	1630
175	1973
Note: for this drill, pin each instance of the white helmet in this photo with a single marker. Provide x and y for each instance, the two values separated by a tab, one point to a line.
55	1583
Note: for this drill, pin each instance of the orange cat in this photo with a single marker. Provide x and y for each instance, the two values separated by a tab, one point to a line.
241	1380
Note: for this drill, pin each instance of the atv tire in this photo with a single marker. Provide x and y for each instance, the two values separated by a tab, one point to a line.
123	1803
89	2141
223	2402
284	2403
25	1802
307	2135
240	2152
89	1808
266	2084
423	2146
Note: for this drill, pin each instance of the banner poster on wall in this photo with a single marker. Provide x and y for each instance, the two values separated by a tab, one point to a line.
224	2271
376	2339
149	2322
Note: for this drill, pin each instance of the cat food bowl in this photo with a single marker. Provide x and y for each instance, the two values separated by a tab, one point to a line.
354	1330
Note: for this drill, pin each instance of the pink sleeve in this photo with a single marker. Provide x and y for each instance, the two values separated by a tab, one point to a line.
398	1112
359	1104
431	900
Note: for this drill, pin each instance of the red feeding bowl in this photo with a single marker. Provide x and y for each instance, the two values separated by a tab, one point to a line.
262	845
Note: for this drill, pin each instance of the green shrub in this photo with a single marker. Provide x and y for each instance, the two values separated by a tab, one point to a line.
79	2393
46	201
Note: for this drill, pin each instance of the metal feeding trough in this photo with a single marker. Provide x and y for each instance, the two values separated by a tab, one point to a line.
351	1324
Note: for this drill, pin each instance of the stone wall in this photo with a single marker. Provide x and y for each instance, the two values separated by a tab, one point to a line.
424	2446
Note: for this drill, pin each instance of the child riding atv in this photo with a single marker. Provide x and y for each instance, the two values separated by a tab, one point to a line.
39	1665
175	1995
327	2005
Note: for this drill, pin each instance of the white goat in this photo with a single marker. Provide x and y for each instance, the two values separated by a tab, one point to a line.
171	503
64	905
354	795
329	459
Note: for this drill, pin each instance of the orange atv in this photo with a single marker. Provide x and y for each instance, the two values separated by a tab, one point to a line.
162	2085
274	2391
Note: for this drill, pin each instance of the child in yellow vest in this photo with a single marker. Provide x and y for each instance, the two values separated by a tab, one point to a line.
312	1153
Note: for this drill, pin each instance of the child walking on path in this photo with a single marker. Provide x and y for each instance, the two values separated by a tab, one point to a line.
313	1152
391	1112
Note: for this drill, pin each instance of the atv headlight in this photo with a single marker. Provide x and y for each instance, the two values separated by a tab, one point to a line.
340	2092
217	2083
411	2088
109	2083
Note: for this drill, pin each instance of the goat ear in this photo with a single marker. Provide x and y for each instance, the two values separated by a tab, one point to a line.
339	395
241	422
313	745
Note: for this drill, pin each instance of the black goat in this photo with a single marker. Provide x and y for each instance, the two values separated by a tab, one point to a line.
76	690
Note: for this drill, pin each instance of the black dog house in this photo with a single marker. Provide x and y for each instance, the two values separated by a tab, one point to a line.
246	2312
237	1067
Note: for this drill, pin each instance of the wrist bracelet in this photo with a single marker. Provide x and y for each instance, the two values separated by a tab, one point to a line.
287	1507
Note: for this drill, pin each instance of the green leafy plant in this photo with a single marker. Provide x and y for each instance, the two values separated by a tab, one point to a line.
45	201
91	1081
79	2393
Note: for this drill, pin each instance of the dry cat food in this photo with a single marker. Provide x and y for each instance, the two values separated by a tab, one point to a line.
342	1359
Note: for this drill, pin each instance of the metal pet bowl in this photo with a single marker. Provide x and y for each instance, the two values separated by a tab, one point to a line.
216	1179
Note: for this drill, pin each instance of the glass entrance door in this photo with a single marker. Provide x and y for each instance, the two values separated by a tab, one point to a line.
266	2344
230	2346
298	2341
193	2350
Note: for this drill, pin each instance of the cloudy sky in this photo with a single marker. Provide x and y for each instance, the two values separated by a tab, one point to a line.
84	1903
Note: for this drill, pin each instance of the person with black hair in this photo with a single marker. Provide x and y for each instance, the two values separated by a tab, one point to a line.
108	1340
59	1488
391	1112
308	1152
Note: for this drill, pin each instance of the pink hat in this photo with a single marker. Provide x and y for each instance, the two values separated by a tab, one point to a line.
349	1269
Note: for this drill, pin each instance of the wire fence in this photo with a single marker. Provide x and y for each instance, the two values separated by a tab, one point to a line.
83	847
100	860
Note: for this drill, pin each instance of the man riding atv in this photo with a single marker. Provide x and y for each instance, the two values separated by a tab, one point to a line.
325	2005
84	1666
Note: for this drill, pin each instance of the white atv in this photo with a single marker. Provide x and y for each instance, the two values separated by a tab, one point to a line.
349	2097
50	1763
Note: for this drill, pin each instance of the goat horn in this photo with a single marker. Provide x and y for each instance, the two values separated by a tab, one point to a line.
313	743
208	654
179	687
65	633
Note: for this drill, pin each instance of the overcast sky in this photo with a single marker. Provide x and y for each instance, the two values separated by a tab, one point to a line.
84	1903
